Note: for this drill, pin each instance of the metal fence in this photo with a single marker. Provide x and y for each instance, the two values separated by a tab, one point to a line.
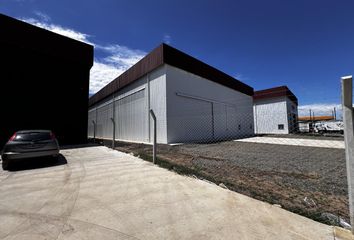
262	149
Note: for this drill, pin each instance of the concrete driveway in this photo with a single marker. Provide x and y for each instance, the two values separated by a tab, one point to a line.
296	142
105	194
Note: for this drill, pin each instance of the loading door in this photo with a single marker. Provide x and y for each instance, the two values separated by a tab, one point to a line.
193	120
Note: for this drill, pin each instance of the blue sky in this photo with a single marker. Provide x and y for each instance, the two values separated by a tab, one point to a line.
304	44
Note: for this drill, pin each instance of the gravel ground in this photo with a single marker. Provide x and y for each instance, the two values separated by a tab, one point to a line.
278	174
326	165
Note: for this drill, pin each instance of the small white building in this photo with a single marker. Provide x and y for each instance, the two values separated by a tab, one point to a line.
275	111
192	101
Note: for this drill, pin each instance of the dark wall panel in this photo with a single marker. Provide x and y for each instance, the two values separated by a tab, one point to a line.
40	90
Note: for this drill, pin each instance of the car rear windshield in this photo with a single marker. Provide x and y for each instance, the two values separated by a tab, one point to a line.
32	136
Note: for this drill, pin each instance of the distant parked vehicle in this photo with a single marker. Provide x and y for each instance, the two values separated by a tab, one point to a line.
29	144
331	127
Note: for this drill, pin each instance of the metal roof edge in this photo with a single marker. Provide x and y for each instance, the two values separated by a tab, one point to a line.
165	54
275	92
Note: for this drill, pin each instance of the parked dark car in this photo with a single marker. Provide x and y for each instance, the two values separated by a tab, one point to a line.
29	144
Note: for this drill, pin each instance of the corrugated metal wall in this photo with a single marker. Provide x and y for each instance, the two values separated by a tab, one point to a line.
91	121
131	117
130	110
104	125
202	110
158	103
187	108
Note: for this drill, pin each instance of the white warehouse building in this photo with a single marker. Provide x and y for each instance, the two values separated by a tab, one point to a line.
192	102
275	111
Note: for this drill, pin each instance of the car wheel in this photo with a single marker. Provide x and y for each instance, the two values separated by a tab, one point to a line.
5	165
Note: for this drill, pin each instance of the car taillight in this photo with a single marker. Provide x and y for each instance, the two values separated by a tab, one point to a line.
13	137
52	136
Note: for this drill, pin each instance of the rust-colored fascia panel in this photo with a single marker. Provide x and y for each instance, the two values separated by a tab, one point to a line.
281	91
169	55
150	62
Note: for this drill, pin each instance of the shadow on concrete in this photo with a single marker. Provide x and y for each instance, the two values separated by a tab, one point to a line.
35	163
63	147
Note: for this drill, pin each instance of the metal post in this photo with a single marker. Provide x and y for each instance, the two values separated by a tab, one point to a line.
94	131
148	104
212	121
113	121
114	132
154	146
347	104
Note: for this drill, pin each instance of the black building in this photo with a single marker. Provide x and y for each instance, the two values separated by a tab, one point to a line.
44	82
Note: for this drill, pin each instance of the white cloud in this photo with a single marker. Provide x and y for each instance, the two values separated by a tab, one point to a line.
121	56
167	38
59	29
239	76
101	74
42	16
320	109
119	59
115	58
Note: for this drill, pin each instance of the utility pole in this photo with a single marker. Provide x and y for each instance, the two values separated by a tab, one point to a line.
335	114
313	121
310	114
310	121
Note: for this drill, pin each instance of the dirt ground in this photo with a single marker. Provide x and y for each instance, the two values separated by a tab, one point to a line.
305	180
